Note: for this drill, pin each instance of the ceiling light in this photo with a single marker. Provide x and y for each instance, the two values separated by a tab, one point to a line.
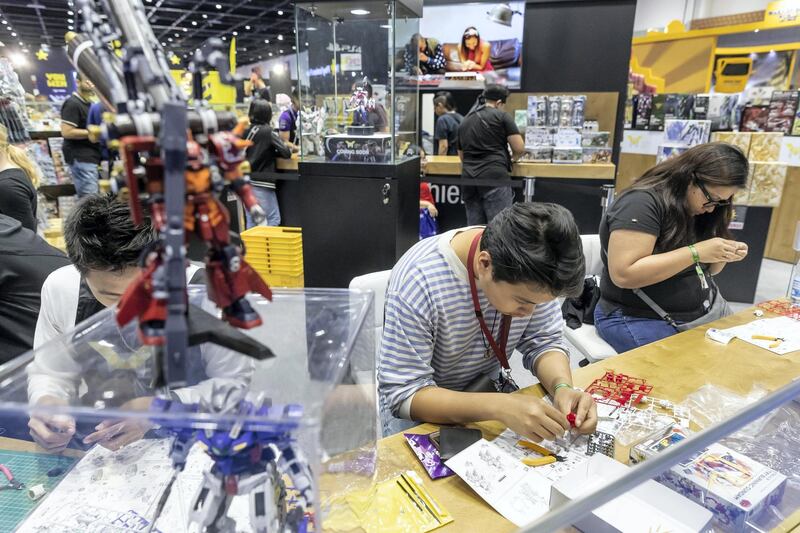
247	27
70	21
235	33
185	29
70	27
311	28
218	6
224	38
6	22
359	12
177	34
194	23
278	68
294	47
205	16
266	41
756	30
270	54
281	51
280	12
280	37
387	26
163	44
18	59
306	44
70	13
13	34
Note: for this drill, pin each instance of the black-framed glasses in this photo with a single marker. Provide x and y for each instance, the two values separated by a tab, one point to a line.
711	202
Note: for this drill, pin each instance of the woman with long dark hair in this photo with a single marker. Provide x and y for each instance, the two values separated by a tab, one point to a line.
663	241
474	53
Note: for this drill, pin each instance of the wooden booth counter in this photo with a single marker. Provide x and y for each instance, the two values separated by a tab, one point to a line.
676	367
450	165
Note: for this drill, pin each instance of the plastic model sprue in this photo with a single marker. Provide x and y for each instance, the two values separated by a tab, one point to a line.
177	162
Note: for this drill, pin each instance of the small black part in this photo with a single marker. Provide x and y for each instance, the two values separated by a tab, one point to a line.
204	327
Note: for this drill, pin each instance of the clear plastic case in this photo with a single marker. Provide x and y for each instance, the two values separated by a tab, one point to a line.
359	100
303	423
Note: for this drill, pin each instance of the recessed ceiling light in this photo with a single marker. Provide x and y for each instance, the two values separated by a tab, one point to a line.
70	21
281	51
169	39
224	38
280	37
235	33
163	44
177	34
218	6
70	13
13	34
185	29
266	41
311	28
205	16
70	27
306	44
280	12
359	12
756	30
194	23
6	22
247	27
294	47
387	26
270	54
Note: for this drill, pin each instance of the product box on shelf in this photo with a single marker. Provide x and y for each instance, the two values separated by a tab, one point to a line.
537	111
537	154
521	119
554	111
648	507
596	154
687	132
732	486
738	139
572	155
567	138
538	136
669	150
578	111
700	107
591	126
720	110
595	138
754	118
782	109
765	146
766	183
643	106
657	113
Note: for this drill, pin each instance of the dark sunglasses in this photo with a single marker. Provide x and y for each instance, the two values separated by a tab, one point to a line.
711	202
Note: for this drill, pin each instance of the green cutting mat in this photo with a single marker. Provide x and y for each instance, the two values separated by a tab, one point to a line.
30	469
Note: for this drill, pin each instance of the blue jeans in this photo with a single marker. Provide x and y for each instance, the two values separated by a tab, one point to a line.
268	201
85	176
483	203
625	333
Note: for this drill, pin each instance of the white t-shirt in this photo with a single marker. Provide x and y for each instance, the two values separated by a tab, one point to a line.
54	373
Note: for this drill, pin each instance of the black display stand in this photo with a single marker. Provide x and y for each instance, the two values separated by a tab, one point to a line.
357	218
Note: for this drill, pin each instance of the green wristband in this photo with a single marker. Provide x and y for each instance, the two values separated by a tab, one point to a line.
555	389
695	255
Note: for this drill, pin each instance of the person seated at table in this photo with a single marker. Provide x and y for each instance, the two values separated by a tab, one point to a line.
663	240
104	246
440	363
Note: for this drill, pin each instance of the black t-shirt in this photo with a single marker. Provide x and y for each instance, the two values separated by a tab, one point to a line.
25	262
483	137
681	295
74	112
18	197
267	145
447	128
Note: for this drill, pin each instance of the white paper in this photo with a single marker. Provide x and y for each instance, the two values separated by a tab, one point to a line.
783	327
575	454
513	489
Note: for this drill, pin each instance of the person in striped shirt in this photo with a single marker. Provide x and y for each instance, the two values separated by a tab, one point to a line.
434	351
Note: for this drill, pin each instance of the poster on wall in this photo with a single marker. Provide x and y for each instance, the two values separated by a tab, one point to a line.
483	44
770	72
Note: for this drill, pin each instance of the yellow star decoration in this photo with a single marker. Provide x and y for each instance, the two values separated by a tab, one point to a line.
41	55
174	59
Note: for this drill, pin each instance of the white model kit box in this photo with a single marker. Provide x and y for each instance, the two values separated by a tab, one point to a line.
729	484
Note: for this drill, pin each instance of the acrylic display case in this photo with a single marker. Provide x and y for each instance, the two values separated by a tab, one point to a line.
359	102
313	405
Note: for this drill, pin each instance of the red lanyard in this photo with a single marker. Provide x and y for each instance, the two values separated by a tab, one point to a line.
505	324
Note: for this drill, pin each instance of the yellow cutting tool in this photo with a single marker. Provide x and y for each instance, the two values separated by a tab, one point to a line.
547	456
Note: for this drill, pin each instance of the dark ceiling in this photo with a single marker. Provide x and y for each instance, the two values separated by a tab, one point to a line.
181	25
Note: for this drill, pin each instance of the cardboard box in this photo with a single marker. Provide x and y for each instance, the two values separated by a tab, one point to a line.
754	118
593	155
668	151
642	105
567	138
595	139
720	110
782	108
538	136
765	146
657	113
647	449
729	484
687	132
648	507
738	139
570	155
537	154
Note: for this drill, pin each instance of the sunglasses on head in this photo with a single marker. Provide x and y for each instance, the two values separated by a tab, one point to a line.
711	202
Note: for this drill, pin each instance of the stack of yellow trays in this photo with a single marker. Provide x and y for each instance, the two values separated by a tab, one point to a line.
54	234
276	253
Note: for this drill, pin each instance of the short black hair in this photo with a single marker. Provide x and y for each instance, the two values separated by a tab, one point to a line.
100	235
260	111
537	243
446	99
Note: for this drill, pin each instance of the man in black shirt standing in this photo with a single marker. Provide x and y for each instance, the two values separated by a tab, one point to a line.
445	134
25	262
80	152
483	140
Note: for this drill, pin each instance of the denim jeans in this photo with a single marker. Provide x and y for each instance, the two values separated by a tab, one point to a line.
85	176
268	201
625	333
483	203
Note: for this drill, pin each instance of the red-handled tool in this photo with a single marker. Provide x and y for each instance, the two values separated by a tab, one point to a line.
12	483
571	420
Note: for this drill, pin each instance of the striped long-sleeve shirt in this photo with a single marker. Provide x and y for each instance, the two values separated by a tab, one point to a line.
431	336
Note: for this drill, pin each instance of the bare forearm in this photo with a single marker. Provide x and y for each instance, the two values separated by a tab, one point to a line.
653	269
715	268
443	406
75	134
443	146
551	369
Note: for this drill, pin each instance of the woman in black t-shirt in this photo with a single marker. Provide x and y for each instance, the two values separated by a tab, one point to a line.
19	177
662	240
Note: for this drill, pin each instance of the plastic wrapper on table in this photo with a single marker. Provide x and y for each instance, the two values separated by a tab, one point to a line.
711	404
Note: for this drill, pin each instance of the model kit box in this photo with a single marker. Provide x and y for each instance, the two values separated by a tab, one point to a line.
647	449
720	110
754	118
657	113
595	139
537	154
643	105
538	136
596	154
700	107
687	132
782	108
567	138
765	146
739	139
766	183
571	155
376	148
521	119
669	150
648	507
537	111
729	484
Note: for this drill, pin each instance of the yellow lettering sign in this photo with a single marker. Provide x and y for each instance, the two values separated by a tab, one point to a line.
56	79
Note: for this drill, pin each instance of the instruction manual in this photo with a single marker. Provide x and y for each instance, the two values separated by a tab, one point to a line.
779	335
514	490
575	454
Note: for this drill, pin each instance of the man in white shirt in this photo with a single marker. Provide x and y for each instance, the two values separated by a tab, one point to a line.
104	247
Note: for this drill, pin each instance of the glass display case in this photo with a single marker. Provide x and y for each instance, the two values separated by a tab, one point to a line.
359	101
264	442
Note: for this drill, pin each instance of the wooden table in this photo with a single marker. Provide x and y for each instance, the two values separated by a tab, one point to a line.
676	367
450	165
